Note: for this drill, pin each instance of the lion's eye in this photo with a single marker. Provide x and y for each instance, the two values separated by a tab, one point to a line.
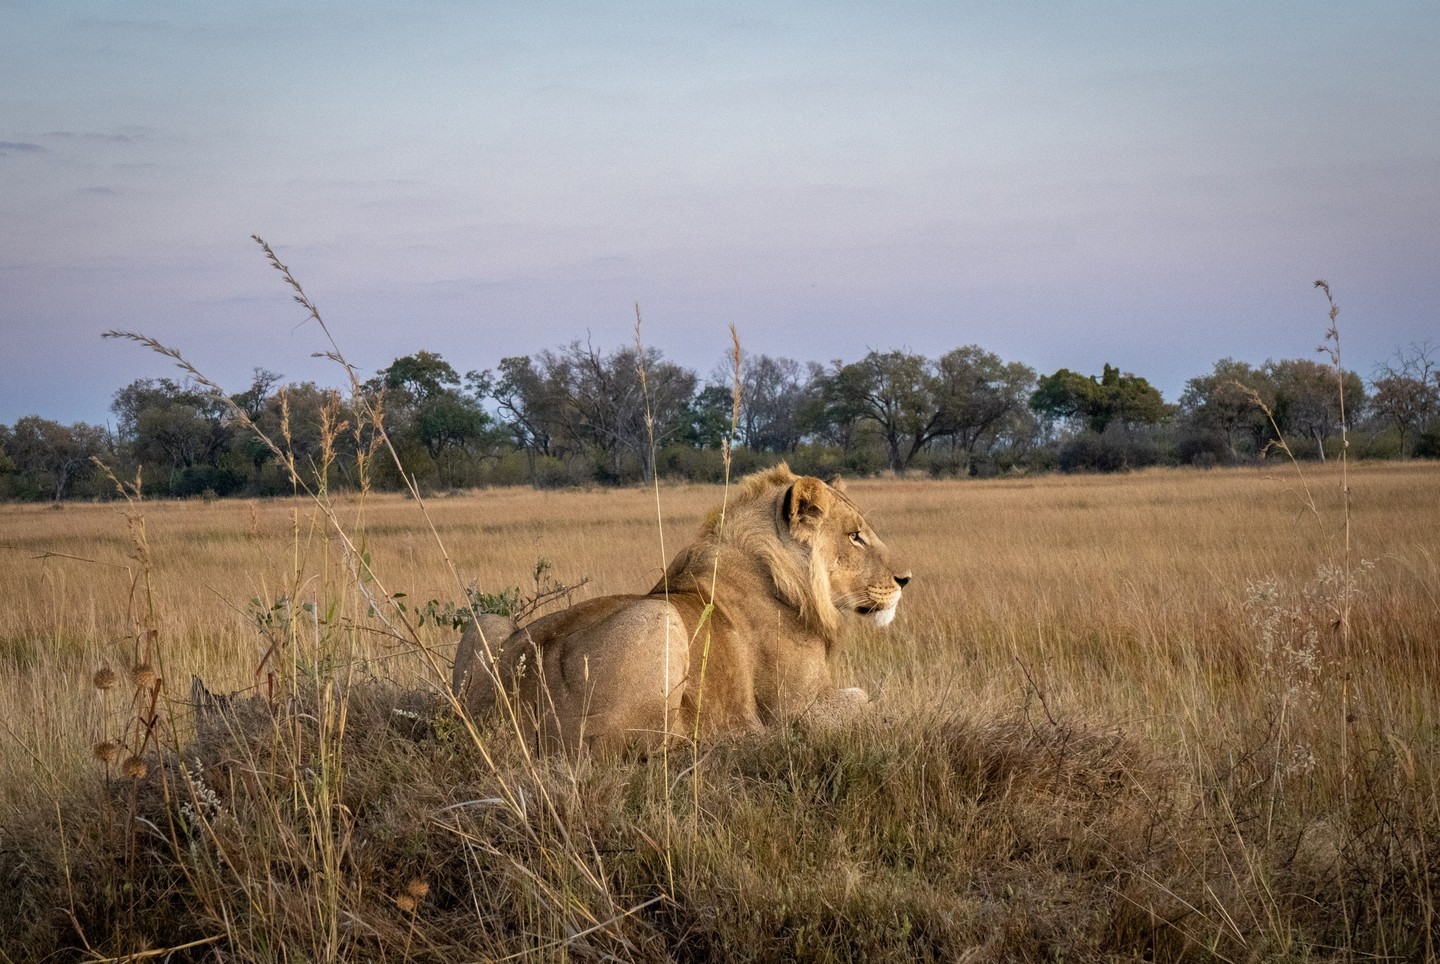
857	538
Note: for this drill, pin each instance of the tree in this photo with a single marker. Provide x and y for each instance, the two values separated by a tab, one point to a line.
165	423
579	401
47	457
421	376
426	406
529	406
979	398
7	464
896	391
1407	393
772	391
1226	402
1065	396
832	407
710	415
450	420
1120	397
298	416
1130	400
607	408
968	397
252	400
1307	398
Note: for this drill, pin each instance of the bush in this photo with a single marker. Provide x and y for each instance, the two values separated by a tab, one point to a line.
553	473
1117	450
1204	448
691	465
1381	444
512	468
198	479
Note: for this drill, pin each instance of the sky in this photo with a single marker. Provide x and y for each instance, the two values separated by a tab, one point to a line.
1154	186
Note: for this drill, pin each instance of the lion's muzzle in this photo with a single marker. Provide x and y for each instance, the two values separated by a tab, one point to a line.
880	602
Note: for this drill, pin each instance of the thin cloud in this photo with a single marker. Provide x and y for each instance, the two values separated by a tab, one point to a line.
90	136
102	24
20	147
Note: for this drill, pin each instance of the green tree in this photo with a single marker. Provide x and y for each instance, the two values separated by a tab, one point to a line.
968	398
1131	400
580	402
1224	402
1064	396
428	411
47	458
298	416
710	413
1307	399
7	464
449	420
172	426
418	377
528	405
981	399
1115	396
833	406
895	390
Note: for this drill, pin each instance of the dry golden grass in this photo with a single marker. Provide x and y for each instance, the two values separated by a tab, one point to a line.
1115	584
1123	605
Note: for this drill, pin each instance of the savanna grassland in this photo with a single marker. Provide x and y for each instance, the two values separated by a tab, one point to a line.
1169	715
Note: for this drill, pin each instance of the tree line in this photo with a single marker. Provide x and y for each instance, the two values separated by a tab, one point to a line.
578	415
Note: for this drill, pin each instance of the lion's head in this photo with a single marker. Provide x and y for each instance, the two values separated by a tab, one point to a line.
821	554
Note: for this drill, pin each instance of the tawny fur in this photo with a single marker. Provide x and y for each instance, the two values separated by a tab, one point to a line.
787	558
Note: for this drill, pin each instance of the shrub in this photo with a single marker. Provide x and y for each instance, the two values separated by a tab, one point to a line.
198	479
1204	448
1428	446
1116	450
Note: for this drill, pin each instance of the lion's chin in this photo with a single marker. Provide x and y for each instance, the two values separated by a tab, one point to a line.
883	617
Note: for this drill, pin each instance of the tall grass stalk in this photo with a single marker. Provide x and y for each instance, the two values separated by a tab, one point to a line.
570	853
333	672
1335	596
708	611
668	684
1331	348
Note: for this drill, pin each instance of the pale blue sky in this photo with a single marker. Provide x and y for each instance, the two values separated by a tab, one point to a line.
1065	184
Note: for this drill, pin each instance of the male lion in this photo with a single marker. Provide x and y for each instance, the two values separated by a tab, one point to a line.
789	556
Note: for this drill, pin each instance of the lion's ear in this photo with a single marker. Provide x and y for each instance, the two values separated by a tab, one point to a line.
806	504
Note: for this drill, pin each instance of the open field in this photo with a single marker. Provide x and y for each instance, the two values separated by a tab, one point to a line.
1161	715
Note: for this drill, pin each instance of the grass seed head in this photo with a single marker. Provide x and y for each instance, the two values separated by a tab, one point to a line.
417	888
107	752
105	678
135	768
144	676
406	903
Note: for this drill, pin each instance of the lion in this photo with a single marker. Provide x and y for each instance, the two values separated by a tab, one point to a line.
782	563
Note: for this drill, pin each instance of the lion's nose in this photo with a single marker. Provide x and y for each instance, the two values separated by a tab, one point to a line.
902	579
